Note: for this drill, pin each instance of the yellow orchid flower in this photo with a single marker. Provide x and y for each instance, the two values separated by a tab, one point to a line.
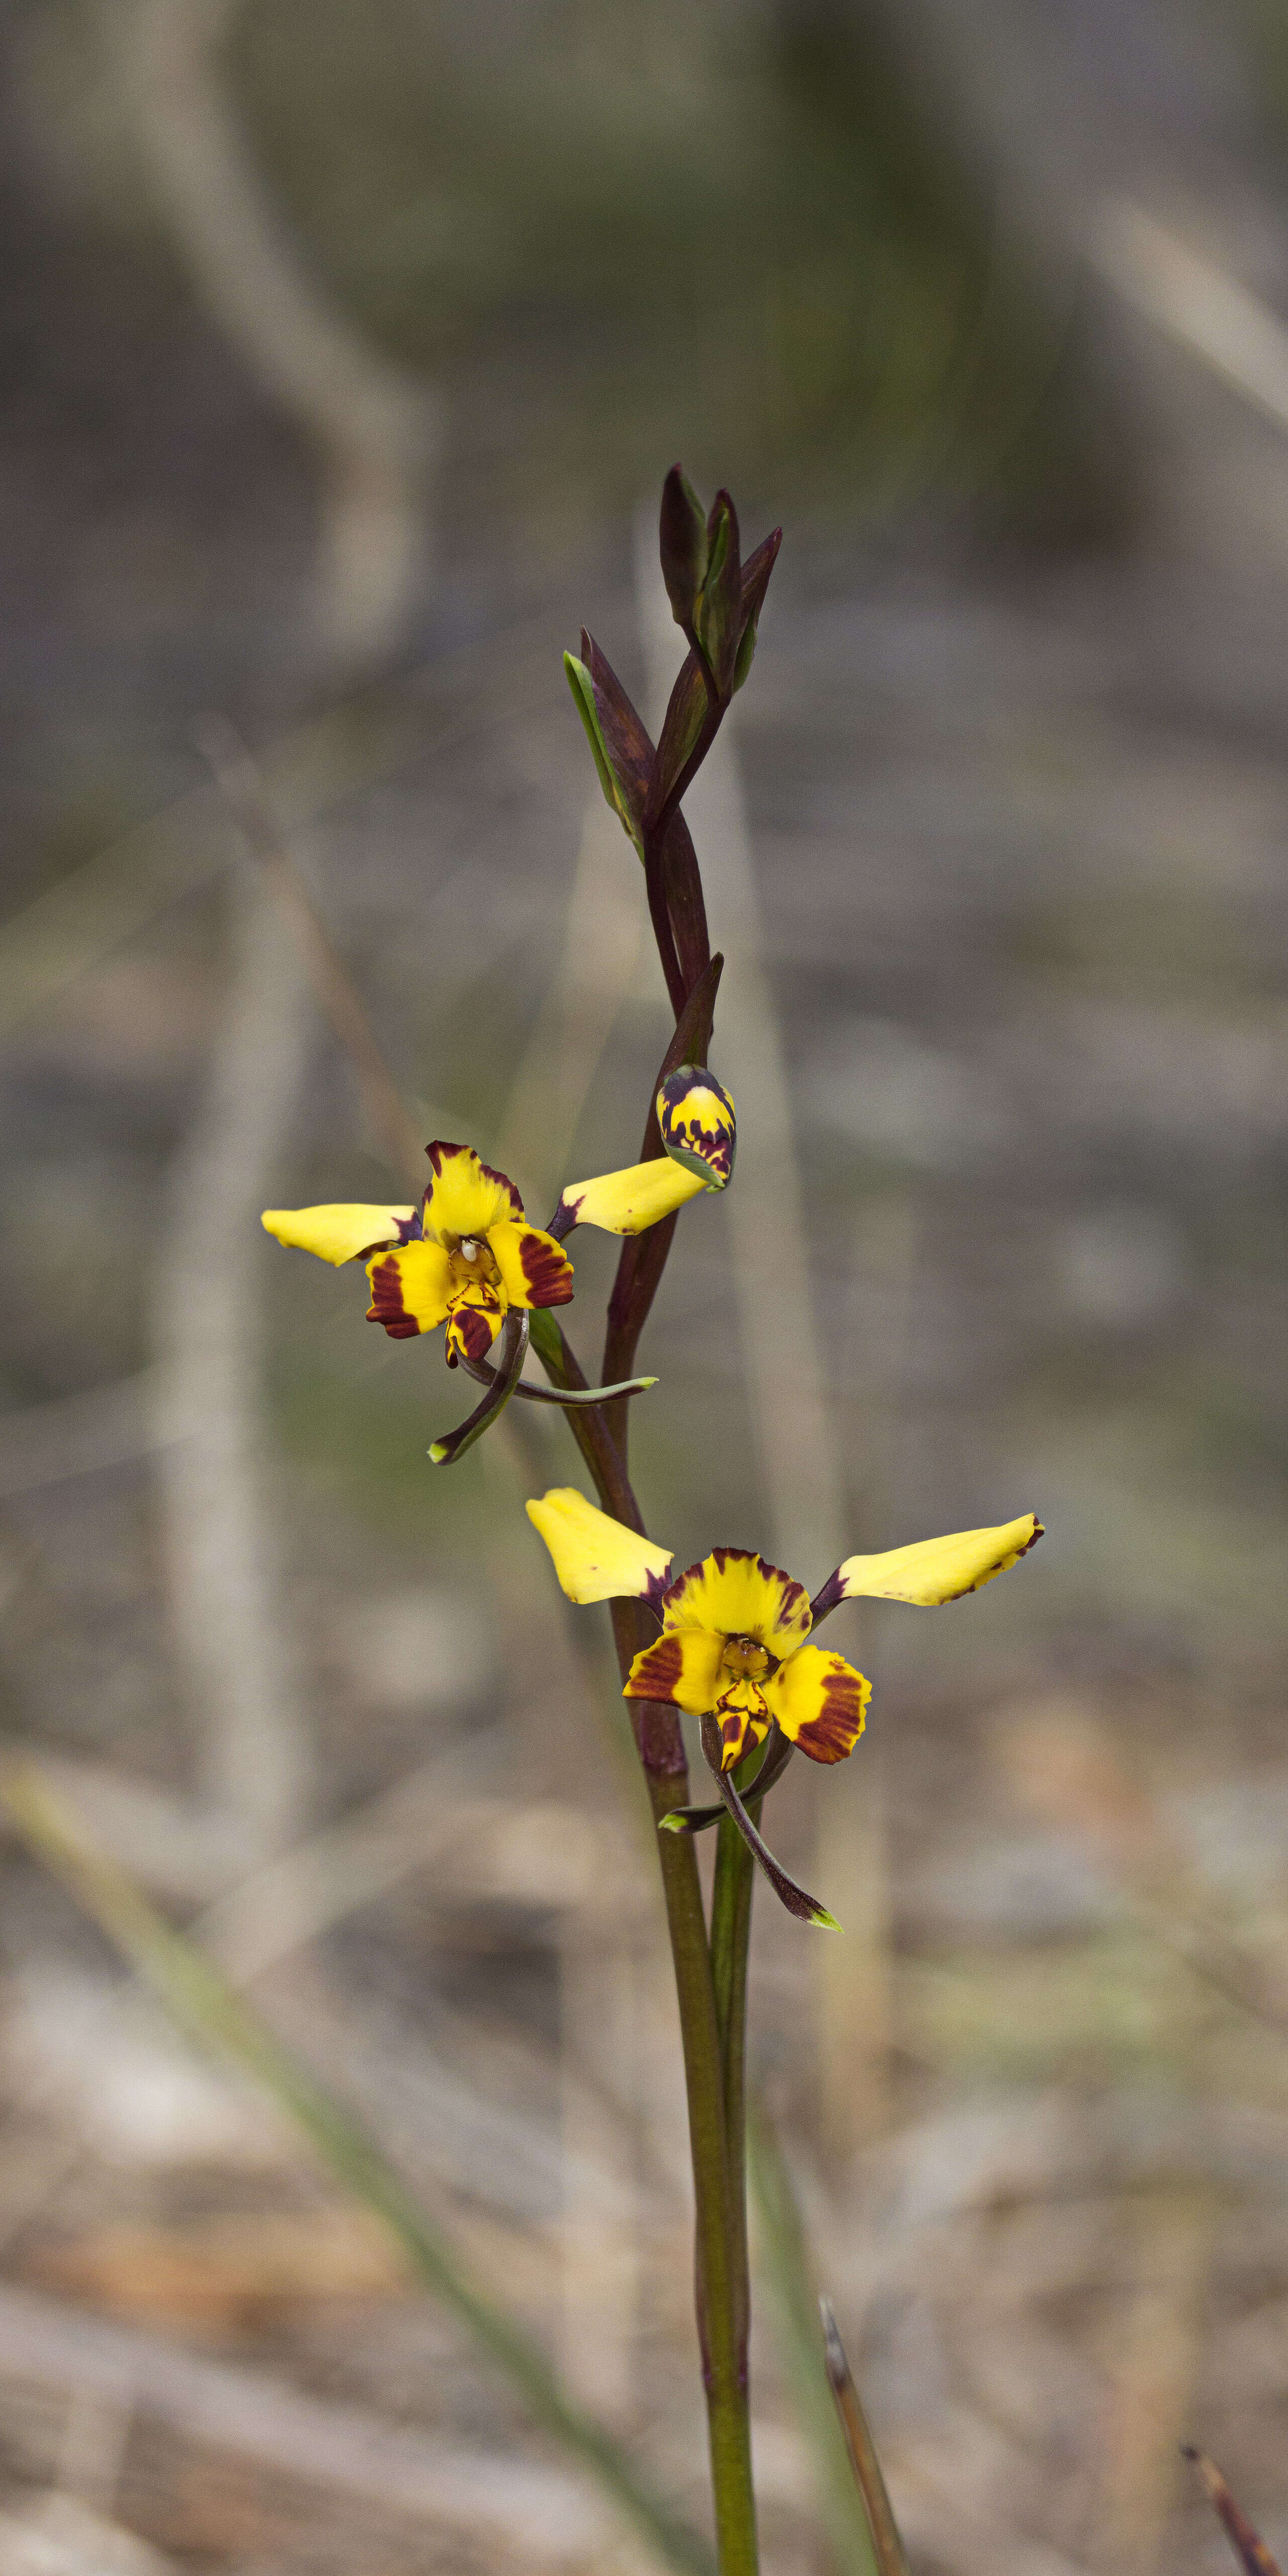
734	1647
698	1125
465	1257
699	1130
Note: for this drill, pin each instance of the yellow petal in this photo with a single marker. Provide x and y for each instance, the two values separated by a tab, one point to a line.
698	1125
595	1558
466	1197
938	1569
743	1715
629	1202
682	1667
536	1271
819	1700
737	1595
336	1233
409	1289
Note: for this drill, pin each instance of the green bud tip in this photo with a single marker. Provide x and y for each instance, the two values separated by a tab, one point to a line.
439	1451
826	1922
673	1823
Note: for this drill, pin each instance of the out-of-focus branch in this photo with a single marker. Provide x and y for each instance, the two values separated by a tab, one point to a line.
337	996
341	2449
1248	2546
374	430
891	2557
207	1328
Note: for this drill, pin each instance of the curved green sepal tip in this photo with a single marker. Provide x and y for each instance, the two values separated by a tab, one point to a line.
673	1823
826	1922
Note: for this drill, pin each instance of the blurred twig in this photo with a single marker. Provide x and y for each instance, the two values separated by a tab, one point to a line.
1151	2373
843	2504
1195	301
375	430
1248	2546
520	2504
556	1073
889	2548
208	1328
1069	1771
101	903
242	786
205	2005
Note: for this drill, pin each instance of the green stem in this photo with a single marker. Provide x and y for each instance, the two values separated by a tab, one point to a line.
720	2247
735	1878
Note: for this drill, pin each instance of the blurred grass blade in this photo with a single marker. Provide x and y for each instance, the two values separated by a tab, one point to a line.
1248	2546
785	2262
862	2449
200	1999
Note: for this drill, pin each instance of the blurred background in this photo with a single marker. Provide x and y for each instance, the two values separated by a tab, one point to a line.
344	351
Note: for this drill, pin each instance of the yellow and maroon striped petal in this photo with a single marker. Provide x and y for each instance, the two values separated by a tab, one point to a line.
682	1667
409	1289
337	1233
535	1270
465	1197
738	1595
595	1557
473	1323
744	1720
819	1700
629	1202
696	1117
937	1569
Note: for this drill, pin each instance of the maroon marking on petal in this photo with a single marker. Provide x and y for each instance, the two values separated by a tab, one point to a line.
665	1665
835	1731
678	1581
547	1271
387	1306
471	1327
439	1151
733	1725
504	1182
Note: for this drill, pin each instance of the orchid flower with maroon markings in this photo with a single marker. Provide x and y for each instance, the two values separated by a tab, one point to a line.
465	1257
734	1646
699	1133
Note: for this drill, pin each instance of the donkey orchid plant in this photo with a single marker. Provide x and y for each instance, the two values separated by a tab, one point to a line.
730	1641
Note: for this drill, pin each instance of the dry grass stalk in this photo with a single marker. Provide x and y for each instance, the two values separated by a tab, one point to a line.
1248	2546
890	2553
